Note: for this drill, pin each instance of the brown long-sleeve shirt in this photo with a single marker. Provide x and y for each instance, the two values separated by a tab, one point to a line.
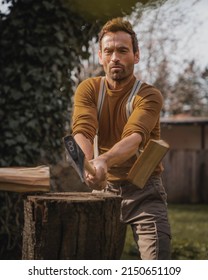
113	122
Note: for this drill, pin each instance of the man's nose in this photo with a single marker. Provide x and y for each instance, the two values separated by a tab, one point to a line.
115	57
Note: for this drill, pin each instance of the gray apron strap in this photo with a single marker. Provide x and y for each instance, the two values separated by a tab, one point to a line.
129	104
101	97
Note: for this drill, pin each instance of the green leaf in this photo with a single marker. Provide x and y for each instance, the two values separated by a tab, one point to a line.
26	86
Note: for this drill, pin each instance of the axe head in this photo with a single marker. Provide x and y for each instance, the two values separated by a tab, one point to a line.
75	156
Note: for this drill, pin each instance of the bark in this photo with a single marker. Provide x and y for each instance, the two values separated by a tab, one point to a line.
72	226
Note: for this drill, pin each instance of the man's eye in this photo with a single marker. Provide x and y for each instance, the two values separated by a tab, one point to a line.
108	52
123	50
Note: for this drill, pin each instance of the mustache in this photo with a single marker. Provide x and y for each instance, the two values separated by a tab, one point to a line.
116	64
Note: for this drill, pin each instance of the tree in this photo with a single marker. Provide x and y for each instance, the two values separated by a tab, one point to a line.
189	93
41	44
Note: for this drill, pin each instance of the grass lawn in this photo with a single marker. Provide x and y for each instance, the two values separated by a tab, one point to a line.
189	224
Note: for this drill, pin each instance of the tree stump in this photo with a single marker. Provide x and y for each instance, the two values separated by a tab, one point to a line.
76	226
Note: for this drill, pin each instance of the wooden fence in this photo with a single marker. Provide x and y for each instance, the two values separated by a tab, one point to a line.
186	176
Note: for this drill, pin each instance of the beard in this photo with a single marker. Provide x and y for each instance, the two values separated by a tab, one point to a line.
117	74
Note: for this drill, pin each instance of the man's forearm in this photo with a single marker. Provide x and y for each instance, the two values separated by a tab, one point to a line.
123	150
85	145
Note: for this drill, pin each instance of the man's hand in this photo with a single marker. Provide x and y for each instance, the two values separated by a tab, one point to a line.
98	182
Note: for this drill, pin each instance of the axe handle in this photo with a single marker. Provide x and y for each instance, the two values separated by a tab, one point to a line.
89	167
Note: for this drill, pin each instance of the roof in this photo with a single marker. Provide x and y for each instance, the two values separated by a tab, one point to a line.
183	120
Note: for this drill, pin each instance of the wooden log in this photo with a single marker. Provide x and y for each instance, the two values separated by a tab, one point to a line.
147	161
25	179
72	226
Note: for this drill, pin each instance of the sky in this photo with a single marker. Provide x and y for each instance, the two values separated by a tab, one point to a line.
3	6
201	37
196	46
184	24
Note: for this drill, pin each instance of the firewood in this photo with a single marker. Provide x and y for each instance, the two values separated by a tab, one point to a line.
25	179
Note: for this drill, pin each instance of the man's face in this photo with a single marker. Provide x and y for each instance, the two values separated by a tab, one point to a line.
117	56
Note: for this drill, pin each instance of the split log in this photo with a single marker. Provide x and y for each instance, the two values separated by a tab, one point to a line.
25	179
72	226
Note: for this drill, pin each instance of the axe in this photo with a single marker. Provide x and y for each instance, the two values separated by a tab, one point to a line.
76	157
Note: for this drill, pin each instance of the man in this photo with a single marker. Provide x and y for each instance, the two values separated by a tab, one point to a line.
121	136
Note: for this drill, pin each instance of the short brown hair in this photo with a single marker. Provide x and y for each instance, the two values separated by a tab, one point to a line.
119	24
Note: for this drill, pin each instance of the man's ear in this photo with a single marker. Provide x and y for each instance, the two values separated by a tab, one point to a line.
100	57
136	57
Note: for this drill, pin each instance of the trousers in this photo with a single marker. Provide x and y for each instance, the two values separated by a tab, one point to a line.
146	212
